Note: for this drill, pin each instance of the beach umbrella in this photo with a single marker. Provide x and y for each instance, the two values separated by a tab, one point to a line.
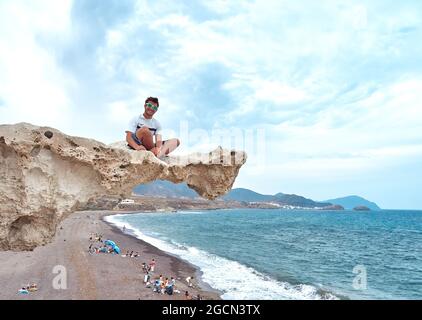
116	249
110	243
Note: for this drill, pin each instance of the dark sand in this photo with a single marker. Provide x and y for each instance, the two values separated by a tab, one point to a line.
96	276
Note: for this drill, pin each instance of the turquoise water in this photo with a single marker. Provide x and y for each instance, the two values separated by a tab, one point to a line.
294	254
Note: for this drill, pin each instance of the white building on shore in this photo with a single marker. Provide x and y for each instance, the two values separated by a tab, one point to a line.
127	201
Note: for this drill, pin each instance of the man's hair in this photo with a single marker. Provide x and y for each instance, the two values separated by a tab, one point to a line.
152	99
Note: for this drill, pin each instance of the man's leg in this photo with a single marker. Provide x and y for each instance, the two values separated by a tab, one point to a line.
145	136
169	146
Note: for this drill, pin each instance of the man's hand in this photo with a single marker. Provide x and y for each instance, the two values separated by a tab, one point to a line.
140	147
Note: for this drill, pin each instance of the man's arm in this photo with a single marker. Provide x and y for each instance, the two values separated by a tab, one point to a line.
132	143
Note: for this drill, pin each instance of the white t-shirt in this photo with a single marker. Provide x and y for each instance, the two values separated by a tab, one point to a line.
138	122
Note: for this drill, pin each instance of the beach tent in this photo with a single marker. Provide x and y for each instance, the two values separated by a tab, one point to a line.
23	291
116	249
110	243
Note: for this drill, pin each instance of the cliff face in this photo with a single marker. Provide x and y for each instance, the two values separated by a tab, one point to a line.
45	175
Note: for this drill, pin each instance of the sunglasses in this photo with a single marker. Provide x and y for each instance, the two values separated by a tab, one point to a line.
150	105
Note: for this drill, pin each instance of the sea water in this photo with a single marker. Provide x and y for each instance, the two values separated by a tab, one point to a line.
293	254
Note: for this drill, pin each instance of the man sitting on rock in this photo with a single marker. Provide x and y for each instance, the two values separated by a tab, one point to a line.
144	128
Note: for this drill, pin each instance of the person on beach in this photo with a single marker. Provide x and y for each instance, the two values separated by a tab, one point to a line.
188	296
152	265
189	281
169	290
33	287
157	285
144	267
163	287
169	287
146	278
144	128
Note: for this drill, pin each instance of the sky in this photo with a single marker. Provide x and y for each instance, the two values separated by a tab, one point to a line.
324	96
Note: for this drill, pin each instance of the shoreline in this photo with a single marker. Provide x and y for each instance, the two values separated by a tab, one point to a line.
94	276
291	289
202	285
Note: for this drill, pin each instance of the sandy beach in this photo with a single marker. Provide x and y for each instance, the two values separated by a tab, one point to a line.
94	276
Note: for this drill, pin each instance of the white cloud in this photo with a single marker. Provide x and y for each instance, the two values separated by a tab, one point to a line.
223	6
114	38
171	20
119	112
32	84
277	92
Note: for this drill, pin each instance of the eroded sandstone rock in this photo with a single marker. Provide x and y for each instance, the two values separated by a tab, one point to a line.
45	175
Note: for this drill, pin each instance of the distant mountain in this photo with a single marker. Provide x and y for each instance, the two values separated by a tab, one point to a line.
167	189
279	194
351	202
299	201
162	188
170	190
241	194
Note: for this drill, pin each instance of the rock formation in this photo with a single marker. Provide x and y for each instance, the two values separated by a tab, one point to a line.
361	208
45	175
334	207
